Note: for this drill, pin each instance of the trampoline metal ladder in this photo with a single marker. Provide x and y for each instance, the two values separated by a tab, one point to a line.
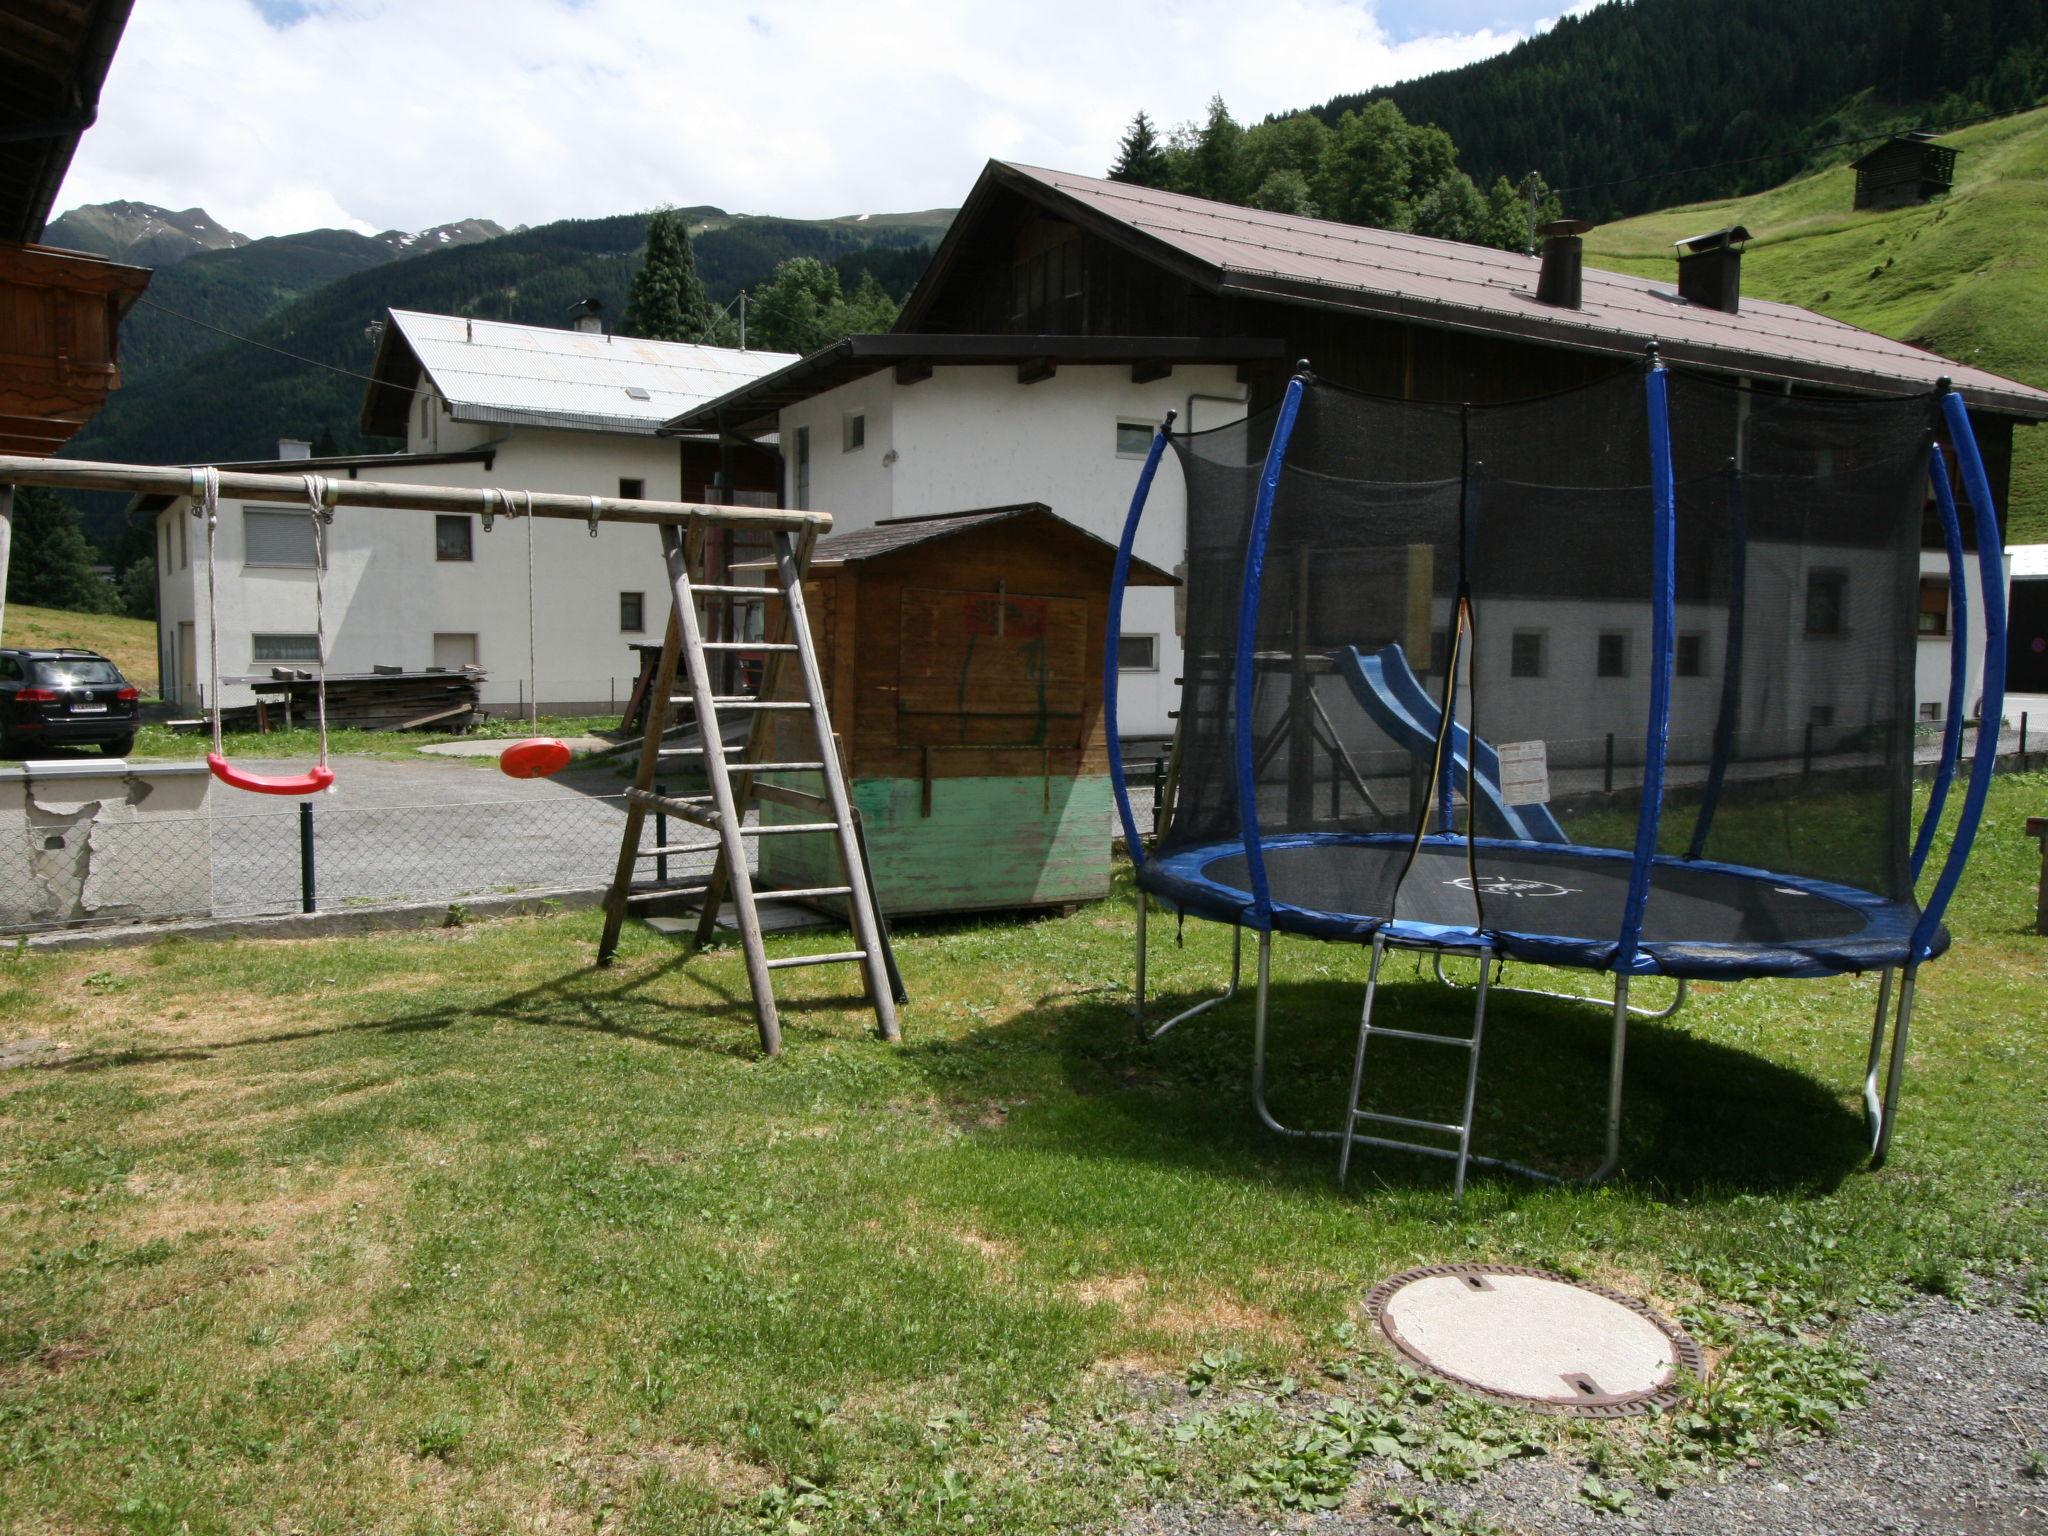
737	781
1462	1129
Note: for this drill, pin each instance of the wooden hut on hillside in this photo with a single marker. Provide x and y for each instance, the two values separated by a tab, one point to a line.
962	656
1908	168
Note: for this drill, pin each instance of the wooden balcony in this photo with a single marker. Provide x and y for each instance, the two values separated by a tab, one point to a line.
60	316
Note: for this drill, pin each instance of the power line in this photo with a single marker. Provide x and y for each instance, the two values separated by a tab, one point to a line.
311	362
1782	154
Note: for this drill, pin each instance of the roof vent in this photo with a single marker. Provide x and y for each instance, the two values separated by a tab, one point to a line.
587	315
635	392
1710	269
1564	257
294	448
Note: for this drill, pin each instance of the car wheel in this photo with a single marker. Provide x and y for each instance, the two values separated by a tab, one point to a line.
119	748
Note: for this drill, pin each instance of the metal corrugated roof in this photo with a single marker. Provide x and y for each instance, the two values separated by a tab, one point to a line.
534	375
1279	256
886	538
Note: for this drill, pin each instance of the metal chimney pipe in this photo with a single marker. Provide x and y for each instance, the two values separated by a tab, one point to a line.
1560	280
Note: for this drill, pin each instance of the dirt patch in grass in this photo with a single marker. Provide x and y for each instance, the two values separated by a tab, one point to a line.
999	1254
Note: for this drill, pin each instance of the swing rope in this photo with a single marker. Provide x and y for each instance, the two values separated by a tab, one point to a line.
206	492
537	756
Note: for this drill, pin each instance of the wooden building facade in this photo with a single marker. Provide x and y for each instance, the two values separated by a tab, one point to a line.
1911	168
963	667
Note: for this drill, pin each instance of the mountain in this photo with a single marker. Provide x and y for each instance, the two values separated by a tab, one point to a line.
1614	105
420	241
191	394
1965	275
141	233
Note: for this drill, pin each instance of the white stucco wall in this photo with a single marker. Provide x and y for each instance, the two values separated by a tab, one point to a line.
387	596
975	437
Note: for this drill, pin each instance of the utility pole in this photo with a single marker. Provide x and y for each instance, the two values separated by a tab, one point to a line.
743	319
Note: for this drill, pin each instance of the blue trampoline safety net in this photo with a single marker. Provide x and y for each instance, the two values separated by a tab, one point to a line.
1621	678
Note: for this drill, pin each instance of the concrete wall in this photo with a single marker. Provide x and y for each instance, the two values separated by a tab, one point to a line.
975	437
388	596
87	842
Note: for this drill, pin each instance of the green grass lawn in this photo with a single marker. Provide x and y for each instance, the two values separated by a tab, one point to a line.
162	743
129	643
449	1232
1964	275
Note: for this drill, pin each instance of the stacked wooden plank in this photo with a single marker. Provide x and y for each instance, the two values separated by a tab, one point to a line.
383	699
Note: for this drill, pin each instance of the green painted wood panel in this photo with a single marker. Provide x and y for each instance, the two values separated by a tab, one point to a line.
989	843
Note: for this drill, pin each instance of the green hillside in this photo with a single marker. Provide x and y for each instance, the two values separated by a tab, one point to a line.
1966	276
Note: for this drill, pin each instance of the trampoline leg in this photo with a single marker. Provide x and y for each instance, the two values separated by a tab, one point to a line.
1372	987
1148	1034
1616	1060
1898	1069
1500	968
1873	1107
1264	988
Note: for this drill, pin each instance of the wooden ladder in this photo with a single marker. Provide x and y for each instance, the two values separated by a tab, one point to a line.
736	783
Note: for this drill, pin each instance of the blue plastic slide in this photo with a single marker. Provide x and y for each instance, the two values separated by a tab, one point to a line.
1387	689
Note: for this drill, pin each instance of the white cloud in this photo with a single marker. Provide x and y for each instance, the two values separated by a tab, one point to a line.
403	113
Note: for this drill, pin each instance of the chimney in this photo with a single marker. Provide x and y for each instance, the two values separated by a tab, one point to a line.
1710	269
294	448
587	315
1564	256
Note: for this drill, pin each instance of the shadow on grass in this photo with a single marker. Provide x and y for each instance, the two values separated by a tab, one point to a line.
574	1000
1700	1118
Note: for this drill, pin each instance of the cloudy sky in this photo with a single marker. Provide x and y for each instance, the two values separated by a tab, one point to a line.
281	115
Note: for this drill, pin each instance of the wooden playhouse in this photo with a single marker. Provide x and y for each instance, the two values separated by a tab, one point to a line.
962	656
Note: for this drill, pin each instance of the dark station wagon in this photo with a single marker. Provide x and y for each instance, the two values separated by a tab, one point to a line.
65	698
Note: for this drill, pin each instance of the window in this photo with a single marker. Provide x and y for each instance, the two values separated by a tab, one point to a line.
1825	594
452	538
274	536
1613	653
800	472
10	670
454	652
75	672
632	612
426	414
184	548
284	647
1133	439
1137	653
1692	654
854	430
1933	605
632	488
1525	653
1931	713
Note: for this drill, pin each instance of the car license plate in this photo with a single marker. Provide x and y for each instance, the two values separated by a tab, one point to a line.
88	709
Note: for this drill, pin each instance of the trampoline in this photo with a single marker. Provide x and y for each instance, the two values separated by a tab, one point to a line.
1620	679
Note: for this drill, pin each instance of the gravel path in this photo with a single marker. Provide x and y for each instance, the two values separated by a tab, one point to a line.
1942	1448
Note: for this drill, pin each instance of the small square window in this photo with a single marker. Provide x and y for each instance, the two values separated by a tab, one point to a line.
453	538
1133	439
1613	654
1933	619
1137	653
854	430
1692	655
1826	592
1525	653
632	488
1931	713
632	613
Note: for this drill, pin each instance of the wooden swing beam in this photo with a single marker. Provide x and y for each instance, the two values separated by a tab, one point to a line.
156	480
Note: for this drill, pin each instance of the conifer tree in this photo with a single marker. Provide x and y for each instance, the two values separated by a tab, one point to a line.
667	301
1140	158
51	563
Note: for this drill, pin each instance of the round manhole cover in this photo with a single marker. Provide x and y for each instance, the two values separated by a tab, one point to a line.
1524	1336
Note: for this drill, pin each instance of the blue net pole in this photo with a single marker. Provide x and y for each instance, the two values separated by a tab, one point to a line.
1991	572
1119	577
1728	718
1663	621
1247	645
1958	659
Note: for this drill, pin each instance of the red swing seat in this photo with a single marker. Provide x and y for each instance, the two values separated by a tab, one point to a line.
537	757
311	782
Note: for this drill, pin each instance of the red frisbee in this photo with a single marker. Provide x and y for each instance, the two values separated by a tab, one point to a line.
535	758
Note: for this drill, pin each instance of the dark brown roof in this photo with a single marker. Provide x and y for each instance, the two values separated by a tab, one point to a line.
896	534
53	60
752	407
1249	253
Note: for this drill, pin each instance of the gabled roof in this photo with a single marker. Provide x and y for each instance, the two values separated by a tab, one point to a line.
752	407
53	57
893	535
1248	253
535	375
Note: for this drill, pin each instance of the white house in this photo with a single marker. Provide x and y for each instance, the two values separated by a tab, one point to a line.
478	403
879	427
